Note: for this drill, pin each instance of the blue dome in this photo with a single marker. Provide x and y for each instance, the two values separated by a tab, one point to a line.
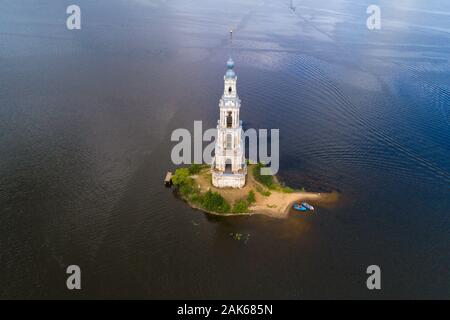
230	64
230	73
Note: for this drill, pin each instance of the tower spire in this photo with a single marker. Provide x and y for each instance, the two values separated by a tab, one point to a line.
230	63
231	42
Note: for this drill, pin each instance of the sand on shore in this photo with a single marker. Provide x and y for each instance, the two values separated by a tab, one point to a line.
276	205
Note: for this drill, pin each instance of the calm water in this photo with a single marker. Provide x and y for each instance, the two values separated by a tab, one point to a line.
85	124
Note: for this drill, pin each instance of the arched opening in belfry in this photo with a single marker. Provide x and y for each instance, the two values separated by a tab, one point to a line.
229	120
229	141
229	90
228	167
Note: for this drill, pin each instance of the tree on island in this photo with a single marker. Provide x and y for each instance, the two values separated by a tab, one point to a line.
180	177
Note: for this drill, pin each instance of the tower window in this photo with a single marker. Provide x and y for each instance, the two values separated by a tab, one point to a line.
229	90
229	141
229	120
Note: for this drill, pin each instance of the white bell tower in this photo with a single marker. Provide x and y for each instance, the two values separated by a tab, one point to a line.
228	167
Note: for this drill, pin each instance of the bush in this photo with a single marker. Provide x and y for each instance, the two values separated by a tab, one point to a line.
186	188
251	197
180	176
189	190
240	206
195	168
213	201
196	198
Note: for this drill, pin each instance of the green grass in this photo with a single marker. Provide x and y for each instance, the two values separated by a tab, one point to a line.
251	197
265	193
240	206
285	189
210	201
266	180
213	201
195	168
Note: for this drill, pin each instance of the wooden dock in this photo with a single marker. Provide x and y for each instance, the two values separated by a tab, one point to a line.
168	179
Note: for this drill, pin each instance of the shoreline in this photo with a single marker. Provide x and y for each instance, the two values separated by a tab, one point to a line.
317	198
272	202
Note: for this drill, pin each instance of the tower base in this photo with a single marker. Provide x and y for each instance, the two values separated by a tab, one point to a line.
228	180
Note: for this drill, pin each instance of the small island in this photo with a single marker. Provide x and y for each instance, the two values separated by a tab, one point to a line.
232	185
262	194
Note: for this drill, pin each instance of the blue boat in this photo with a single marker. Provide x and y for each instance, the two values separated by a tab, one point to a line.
299	207
303	207
307	206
